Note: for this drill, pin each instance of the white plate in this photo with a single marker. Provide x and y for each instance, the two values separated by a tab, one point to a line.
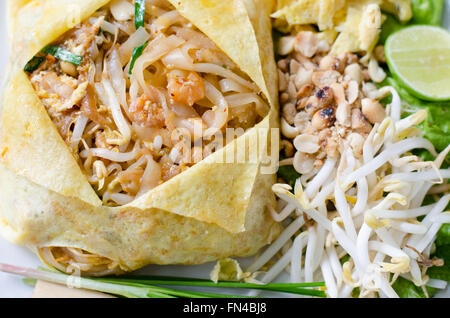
12	286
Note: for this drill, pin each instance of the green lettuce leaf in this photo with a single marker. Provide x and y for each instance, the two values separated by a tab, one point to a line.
406	289
427	11
443	236
441	272
436	128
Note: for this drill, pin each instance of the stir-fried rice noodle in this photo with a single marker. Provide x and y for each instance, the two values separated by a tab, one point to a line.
366	209
117	109
77	261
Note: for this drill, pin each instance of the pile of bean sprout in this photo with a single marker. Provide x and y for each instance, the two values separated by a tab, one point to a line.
355	224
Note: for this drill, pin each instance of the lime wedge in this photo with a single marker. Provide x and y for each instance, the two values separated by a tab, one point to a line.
419	57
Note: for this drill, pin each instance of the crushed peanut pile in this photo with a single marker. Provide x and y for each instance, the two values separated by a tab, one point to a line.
327	101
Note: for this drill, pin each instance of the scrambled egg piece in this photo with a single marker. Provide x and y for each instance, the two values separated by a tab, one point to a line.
361	28
357	21
320	12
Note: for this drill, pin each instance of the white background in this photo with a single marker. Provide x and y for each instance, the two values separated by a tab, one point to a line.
12	286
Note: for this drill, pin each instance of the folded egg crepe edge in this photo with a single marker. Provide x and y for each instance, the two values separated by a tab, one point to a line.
210	211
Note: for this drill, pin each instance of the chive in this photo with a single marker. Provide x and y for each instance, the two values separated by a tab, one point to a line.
139	13
137	52
63	54
144	286
290	288
182	281
171	292
33	64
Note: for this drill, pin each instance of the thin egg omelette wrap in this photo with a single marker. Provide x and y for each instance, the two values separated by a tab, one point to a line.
212	210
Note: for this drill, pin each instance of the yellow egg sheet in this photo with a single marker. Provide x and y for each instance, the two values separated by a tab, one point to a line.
211	211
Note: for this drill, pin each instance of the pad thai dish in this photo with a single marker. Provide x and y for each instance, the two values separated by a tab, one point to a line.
116	140
119	118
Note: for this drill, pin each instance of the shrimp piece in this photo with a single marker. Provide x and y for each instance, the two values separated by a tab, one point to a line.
187	90
130	180
100	140
146	112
